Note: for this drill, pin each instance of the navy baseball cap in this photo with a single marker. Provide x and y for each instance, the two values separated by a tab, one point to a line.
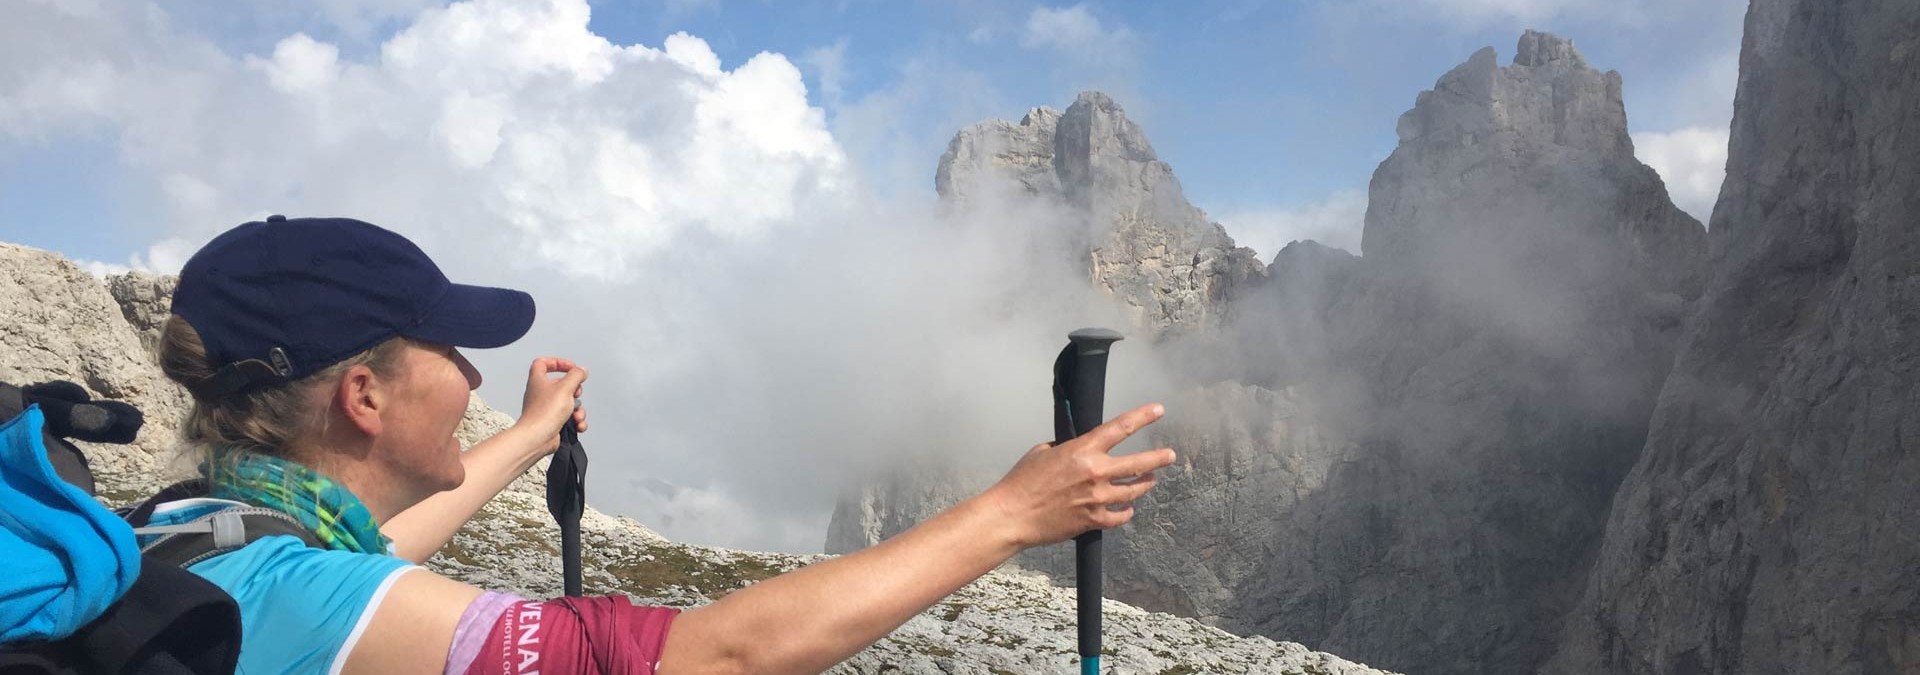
279	300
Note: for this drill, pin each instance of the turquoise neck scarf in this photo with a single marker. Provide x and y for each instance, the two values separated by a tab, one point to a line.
326	508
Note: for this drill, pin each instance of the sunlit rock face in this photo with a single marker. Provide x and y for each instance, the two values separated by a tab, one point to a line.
1770	525
1173	270
1407	455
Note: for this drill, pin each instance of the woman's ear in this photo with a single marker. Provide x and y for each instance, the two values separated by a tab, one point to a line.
359	398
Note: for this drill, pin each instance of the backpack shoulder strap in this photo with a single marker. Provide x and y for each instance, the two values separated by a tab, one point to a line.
222	531
139	514
171	622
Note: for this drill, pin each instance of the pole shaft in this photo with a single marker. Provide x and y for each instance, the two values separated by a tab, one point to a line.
1087	592
1080	389
570	556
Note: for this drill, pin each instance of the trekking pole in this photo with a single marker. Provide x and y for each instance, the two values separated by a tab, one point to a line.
566	498
1079	392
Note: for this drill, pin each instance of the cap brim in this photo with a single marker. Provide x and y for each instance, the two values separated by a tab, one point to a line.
477	317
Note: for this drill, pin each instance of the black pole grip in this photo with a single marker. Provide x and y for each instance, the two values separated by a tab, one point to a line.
1079	394
566	500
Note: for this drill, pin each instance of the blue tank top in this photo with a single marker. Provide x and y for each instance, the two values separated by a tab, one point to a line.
302	609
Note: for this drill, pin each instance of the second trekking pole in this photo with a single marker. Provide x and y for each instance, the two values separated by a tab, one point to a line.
1079	392
566	499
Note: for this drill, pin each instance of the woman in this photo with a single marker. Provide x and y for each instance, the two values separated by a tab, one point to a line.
323	358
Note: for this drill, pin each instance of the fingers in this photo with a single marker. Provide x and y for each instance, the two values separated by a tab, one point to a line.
1115	507
1109	519
1124	493
580	419
551	364
1138	463
574	378
1105	436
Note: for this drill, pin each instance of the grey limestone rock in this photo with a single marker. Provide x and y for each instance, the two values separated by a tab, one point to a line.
145	300
897	499
1250	458
1770	524
1173	270
994	158
1415	456
59	322
1505	339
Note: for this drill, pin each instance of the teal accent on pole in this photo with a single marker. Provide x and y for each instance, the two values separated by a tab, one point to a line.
1089	665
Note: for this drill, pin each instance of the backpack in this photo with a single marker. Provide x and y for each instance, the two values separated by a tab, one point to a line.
170	621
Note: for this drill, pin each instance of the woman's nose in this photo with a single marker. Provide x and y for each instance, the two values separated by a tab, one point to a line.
466	368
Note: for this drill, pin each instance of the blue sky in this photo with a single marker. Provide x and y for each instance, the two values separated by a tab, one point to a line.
1252	102
1259	106
672	181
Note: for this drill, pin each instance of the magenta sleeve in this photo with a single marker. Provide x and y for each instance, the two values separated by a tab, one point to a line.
606	635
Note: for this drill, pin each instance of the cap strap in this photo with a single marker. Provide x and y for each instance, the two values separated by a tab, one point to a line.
241	375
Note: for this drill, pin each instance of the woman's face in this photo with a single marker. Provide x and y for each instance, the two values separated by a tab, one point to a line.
430	400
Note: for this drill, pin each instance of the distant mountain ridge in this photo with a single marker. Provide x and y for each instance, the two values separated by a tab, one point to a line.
1399	454
1547	423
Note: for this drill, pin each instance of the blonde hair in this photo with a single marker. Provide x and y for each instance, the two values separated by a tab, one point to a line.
264	420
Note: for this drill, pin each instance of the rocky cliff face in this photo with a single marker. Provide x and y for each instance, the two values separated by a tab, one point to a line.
57	322
1416	450
1770	524
1517	310
1173	269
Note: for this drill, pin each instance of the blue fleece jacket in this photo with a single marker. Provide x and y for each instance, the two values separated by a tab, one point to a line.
67	557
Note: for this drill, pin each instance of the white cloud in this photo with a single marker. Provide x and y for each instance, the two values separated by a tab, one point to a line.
698	514
360	17
595	156
43	96
166	256
101	269
1071	28
1089	53
759	323
1335	220
829	66
1692	161
896	131
1528	10
300	64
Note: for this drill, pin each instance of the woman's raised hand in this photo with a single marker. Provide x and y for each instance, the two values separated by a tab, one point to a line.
1058	491
551	401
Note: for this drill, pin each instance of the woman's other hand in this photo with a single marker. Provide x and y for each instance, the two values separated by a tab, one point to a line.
1056	492
551	401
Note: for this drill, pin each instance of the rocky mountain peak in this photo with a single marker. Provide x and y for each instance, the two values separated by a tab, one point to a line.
1548	97
1413	450
1172	268
1542	49
1099	153
997	158
1505	163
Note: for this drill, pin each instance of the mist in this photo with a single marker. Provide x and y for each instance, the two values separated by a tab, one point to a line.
765	323
738	389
